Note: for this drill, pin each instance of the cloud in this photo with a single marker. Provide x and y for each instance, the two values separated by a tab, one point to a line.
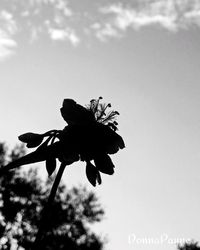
7	30
7	46
61	5
130	17
61	20
7	22
172	15
54	17
193	16
103	32
35	16
63	35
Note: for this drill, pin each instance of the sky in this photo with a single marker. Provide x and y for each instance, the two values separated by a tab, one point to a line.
141	56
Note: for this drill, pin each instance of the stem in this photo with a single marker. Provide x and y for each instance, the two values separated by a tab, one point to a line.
56	183
50	132
46	209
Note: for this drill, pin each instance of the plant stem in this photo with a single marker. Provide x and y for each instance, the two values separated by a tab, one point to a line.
46	209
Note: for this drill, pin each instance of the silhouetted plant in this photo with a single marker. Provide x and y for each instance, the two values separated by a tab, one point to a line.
22	196
90	136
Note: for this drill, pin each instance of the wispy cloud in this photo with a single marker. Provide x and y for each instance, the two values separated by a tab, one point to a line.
63	35
7	30
105	31
169	14
61	20
7	45
61	5
35	16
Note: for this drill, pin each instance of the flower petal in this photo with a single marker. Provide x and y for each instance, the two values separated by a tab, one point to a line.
91	173
74	113
67	110
108	140
99	178
104	164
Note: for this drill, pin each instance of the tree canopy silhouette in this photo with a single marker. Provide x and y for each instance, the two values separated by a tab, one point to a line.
193	245
22	197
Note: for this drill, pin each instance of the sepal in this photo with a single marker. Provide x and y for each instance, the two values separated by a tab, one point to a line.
50	165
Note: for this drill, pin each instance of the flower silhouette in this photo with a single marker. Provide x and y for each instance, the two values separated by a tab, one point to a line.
90	136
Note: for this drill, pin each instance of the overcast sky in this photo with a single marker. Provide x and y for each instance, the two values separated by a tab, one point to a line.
143	57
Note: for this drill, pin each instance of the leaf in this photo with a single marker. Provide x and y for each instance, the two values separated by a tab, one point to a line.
91	173
50	165
104	164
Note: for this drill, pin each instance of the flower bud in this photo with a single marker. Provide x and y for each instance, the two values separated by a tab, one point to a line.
32	139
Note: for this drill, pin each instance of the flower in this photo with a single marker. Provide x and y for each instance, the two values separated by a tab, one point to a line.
89	136
91	133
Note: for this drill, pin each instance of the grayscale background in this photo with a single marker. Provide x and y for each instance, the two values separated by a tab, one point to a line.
144	58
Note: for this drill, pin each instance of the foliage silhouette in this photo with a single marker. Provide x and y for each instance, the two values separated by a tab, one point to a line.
22	197
189	246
